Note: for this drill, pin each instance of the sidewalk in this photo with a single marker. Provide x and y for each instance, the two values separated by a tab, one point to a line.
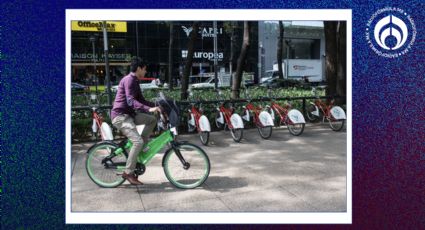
282	174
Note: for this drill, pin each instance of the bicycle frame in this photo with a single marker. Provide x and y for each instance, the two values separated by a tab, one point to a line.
201	121
98	124
153	147
325	108
227	113
196	115
256	111
97	121
282	112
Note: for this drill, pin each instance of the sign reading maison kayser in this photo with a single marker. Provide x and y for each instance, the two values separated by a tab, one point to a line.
112	57
98	26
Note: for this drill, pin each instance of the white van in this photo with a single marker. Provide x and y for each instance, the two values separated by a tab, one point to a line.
298	69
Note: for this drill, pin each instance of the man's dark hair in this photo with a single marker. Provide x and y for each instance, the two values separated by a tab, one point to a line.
136	62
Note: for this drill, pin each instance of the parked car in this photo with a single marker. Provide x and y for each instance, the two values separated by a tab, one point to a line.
248	83
146	83
269	75
78	88
277	83
223	81
270	83
151	85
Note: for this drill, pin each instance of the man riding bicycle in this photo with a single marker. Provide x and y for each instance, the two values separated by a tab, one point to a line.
130	109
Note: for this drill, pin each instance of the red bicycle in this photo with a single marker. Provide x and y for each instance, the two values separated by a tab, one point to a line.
104	129
226	117
293	119
262	119
197	121
335	115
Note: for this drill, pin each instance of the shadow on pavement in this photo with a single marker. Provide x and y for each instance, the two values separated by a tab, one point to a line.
213	183
224	183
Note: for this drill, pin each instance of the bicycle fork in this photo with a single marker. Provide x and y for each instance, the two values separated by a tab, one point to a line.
185	164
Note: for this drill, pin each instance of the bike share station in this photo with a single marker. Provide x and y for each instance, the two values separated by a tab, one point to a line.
201	170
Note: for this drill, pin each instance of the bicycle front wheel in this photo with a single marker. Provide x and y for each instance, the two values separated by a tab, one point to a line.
104	167
237	134
296	129
336	125
265	131
186	166
204	136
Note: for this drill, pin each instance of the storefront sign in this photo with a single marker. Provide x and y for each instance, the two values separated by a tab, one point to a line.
206	32
89	57
98	26
207	55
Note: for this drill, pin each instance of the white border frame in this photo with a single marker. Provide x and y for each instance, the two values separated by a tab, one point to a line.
209	15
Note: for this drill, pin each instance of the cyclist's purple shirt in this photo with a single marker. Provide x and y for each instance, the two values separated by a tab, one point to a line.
129	98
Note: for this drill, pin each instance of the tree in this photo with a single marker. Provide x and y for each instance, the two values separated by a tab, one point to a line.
279	50
229	28
241	61
170	57
336	53
189	60
331	56
341	60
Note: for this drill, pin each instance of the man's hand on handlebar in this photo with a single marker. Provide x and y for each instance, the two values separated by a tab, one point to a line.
155	109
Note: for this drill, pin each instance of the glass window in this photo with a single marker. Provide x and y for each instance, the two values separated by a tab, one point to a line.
302	48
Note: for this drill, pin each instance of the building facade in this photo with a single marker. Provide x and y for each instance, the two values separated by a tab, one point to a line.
303	40
150	41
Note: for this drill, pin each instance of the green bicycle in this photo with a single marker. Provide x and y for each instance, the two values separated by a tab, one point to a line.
185	165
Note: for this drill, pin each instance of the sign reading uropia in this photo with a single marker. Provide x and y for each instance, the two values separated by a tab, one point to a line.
98	26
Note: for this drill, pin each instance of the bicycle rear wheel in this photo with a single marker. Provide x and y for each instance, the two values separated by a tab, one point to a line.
218	124
186	166
190	127
104	167
309	109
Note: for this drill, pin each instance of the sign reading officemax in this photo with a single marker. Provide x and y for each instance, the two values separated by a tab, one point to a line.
98	26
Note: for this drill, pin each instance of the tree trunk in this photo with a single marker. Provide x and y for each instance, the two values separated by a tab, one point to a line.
189	60
170	58
279	50
331	56
241	62
229	28
342	61
232	39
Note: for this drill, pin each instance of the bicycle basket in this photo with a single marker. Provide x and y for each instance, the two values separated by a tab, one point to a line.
170	109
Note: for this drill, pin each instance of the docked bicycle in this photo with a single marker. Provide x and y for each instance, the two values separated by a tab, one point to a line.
99	127
226	117
335	115
285	115
197	121
261	119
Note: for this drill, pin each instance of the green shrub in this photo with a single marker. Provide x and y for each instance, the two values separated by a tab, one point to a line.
82	120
